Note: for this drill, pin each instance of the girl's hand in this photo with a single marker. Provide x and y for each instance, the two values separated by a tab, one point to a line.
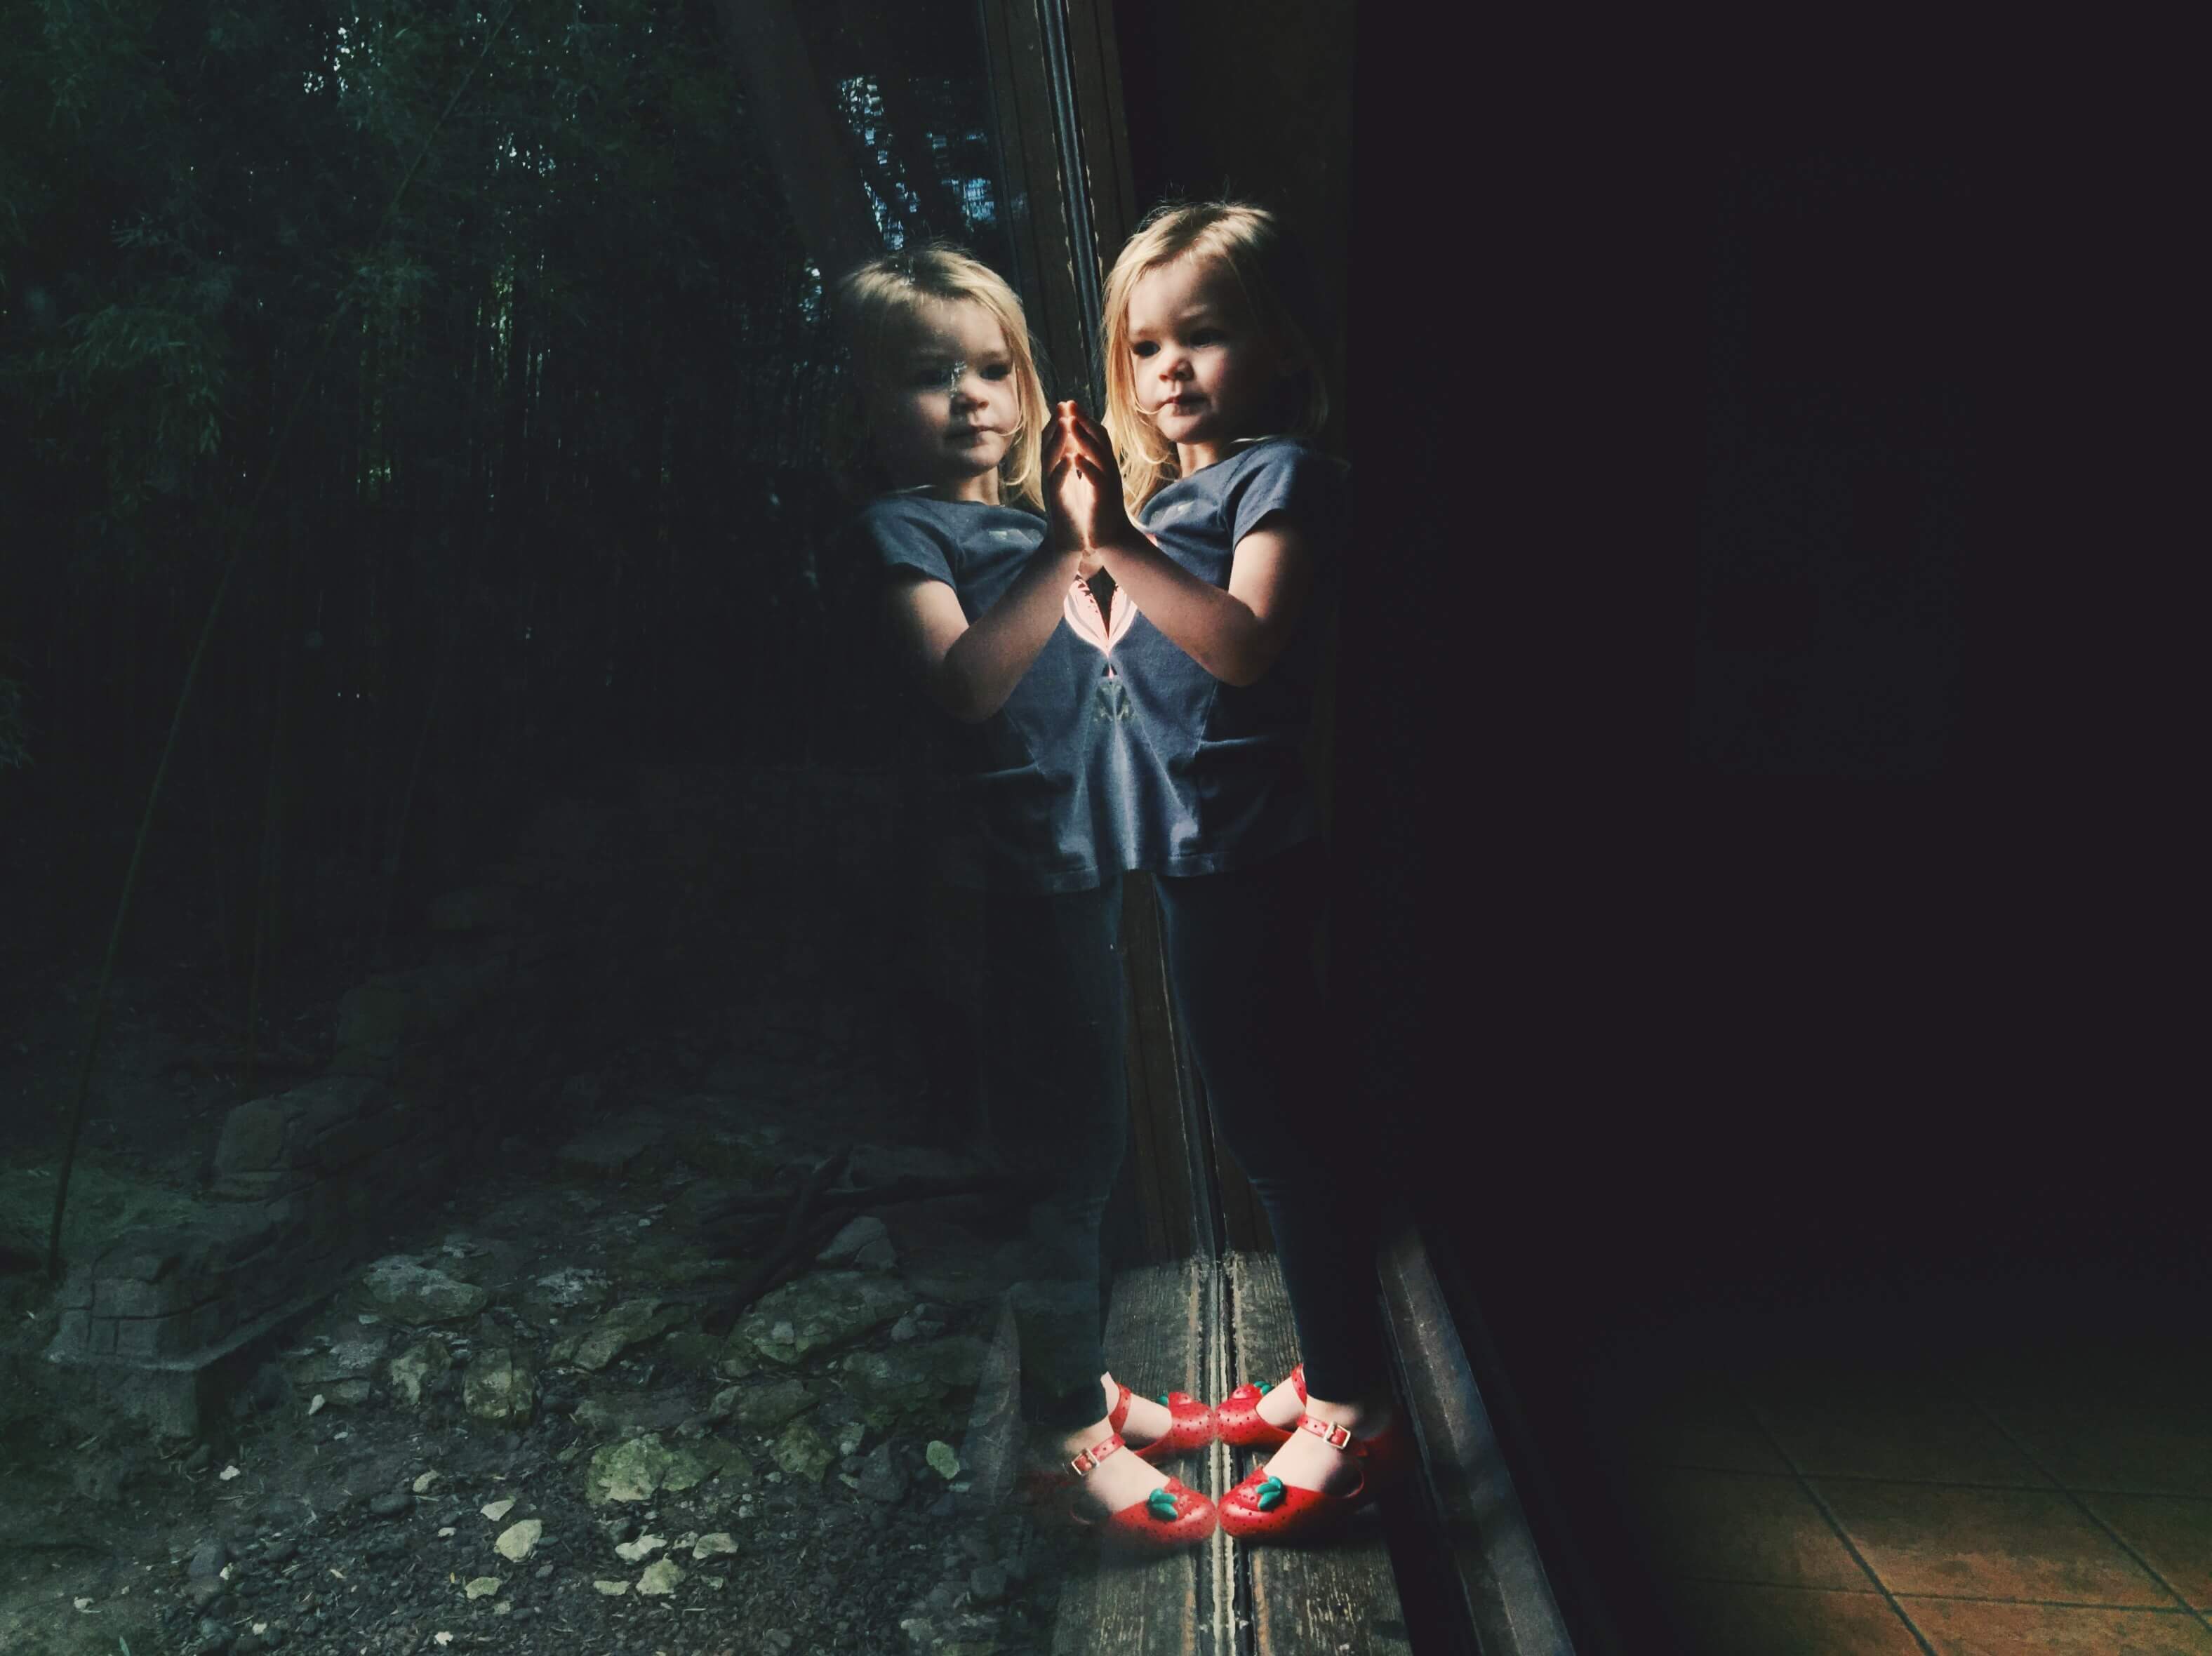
1083	442
1066	492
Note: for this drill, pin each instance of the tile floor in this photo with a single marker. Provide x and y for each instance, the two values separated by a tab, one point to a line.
1898	1476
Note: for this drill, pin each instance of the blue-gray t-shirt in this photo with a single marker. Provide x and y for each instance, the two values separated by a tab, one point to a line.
1236	755
1045	794
1116	751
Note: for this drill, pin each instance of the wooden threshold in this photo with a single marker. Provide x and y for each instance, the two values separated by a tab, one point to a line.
1337	1597
1159	1327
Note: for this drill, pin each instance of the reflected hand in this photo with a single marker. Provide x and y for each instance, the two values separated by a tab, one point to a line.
1097	509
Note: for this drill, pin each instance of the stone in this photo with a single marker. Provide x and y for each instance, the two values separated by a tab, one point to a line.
943	1460
661	1579
516	1541
202	1457
501	1388
612	1589
957	1360
708	1546
694	1353
636	1469
495	1510
882	1478
414	1372
852	1239
208	1560
394	1503
764	1408
878	1255
572	1288
609	1150
637	1551
800	1452
398	1288
817	1311
631	1323
483	1586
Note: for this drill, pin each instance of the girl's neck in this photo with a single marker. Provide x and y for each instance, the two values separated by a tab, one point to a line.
981	490
1196	457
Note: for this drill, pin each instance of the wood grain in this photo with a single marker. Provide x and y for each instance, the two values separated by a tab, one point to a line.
1334	1598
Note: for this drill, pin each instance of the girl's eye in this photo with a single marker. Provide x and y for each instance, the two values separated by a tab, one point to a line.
1143	348
1207	337
997	370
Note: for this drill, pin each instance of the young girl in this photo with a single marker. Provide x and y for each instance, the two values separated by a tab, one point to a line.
975	592
1213	390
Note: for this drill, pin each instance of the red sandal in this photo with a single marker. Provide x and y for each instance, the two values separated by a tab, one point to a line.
1192	1425
1174	1515
1239	1414
1264	1508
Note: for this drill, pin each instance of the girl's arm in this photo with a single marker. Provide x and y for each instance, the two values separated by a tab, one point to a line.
1236	634
970	668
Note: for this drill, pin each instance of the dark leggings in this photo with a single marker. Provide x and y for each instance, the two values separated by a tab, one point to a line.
1240	950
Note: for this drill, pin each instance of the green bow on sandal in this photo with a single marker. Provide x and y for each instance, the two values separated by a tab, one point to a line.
1268	1495
1161	1504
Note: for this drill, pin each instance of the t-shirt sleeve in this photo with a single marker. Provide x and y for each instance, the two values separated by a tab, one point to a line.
1310	488
893	540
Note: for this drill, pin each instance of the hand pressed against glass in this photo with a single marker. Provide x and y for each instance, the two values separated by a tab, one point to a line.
947	408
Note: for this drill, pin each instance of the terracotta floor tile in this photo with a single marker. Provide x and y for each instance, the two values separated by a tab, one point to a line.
1991	1544
1723	1619
2139	1447
1886	1423
1962	1628
1742	1527
2172	1533
1697	1423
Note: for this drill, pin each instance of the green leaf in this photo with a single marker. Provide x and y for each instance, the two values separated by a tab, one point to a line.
1268	1495
1161	1504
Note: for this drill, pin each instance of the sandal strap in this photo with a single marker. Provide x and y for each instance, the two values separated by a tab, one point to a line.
1088	1459
1337	1437
1120	1413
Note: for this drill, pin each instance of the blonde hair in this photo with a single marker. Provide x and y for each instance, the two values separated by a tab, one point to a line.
878	301
1277	286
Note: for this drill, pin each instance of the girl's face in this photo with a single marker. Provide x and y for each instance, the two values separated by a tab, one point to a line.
945	407
1202	370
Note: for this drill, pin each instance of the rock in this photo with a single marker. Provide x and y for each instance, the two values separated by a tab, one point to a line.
661	1579
611	1419
200	1459
694	1353
628	1324
882	1478
501	1388
765	1408
609	1150
852	1239
516	1541
572	1288
214	1636
904	1328
943	1460
612	1589
878	1255
483	1586
396	1287
395	1503
279	1551
708	1546
495	1510
635	1469
349	1392
817	1311
416	1371
801	1453
723	1405
635	1552
208	1560
987	1584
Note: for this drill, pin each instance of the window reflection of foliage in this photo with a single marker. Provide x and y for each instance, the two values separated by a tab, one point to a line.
584	381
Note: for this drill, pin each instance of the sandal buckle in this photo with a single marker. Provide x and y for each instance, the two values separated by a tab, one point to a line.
1337	1437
